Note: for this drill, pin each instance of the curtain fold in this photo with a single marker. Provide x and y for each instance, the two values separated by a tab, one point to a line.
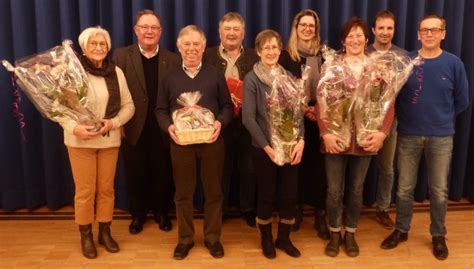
36	171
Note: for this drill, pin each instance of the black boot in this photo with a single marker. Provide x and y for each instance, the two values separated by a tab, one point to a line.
332	248
352	249
283	241
105	238
298	218
320	224
268	248
87	241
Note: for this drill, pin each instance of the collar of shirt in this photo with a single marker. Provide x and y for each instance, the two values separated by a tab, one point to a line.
143	52
223	52
192	74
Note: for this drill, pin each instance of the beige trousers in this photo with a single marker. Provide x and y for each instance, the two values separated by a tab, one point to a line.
94	172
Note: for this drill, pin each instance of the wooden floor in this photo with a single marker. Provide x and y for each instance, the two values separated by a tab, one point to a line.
55	244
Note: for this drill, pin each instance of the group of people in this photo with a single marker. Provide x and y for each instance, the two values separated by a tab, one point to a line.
138	90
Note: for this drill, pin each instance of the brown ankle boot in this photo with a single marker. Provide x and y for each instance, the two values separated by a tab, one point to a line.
87	241
105	238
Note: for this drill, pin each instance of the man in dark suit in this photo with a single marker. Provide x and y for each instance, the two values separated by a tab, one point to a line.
145	148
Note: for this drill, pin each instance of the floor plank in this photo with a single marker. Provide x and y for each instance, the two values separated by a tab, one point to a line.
55	244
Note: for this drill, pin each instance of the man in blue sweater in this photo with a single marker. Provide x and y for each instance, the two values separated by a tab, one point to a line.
194	75
427	106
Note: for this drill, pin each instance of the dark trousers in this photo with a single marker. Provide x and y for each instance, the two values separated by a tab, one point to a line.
148	173
238	165
270	177
184	160
312	175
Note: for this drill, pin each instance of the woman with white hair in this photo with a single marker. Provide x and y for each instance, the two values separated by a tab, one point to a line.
93	153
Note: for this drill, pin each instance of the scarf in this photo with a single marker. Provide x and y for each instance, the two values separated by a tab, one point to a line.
265	74
107	71
315	62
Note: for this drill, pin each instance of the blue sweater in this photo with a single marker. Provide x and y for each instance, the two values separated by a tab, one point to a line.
430	110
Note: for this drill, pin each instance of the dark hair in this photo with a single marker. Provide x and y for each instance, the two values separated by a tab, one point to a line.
146	12
433	16
386	14
265	36
351	23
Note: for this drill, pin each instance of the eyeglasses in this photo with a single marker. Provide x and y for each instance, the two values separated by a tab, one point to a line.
434	31
306	25
270	48
153	28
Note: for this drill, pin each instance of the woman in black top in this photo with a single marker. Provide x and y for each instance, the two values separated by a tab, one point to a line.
304	49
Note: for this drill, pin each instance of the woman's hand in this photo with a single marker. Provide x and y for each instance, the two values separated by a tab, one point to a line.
332	143
107	125
84	132
374	141
270	152
297	152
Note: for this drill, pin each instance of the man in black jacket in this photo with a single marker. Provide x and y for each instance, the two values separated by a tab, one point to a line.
145	148
235	61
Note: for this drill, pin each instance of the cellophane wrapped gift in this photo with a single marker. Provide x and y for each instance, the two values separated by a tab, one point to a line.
335	96
384	75
57	85
285	117
194	124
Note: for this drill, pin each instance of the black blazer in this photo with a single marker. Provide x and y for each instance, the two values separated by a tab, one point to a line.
129	60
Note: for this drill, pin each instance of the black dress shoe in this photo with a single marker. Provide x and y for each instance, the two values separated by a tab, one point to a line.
136	225
215	249
164	222
440	250
182	250
393	239
249	217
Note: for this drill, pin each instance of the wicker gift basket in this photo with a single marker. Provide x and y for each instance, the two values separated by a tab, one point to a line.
194	124
194	136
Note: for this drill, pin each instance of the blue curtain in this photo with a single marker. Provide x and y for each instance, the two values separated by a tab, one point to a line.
35	171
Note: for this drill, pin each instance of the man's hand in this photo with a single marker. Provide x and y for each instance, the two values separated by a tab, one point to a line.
171	131
217	131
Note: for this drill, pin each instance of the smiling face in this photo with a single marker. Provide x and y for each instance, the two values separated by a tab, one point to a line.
269	52
383	31
231	34
96	49
191	47
148	31
306	28
355	42
431	33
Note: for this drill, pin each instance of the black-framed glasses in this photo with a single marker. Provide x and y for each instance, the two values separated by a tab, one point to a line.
153	28
307	25
434	31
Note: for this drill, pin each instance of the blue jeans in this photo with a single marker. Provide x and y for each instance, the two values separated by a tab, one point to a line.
438	151
336	166
384	159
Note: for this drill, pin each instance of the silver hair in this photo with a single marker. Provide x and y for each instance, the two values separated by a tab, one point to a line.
91	32
187	30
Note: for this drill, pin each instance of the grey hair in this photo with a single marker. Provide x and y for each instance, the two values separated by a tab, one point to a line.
187	30
87	33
